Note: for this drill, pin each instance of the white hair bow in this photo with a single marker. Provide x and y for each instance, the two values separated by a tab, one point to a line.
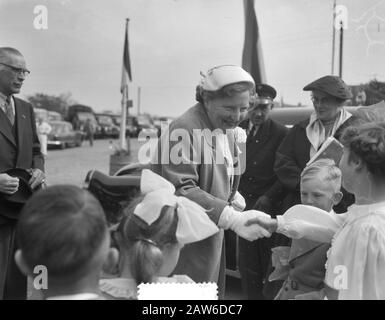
193	222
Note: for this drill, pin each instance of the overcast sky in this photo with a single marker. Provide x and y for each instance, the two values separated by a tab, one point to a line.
172	40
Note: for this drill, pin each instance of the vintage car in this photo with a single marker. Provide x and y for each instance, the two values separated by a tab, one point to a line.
108	128
291	116
63	135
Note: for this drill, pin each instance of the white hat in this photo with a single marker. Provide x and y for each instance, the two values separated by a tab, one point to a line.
220	76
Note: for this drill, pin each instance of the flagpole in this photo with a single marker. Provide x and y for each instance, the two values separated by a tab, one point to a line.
334	36
124	90
122	137
341	48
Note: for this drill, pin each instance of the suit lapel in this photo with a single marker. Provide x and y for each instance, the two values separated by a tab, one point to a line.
255	143
263	133
21	118
6	129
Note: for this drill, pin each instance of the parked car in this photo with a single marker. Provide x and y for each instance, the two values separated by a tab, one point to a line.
63	135
141	123
161	121
132	126
54	116
293	115
108	128
78	114
146	126
40	113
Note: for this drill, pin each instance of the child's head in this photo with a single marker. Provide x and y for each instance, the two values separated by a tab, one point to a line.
321	184
363	157
148	250
64	229
156	226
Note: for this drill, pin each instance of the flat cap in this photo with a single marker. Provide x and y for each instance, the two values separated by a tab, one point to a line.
218	77
331	85
265	91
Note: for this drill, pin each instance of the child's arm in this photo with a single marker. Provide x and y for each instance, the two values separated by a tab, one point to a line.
306	222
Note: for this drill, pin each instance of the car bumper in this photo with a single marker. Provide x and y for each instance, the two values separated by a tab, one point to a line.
54	143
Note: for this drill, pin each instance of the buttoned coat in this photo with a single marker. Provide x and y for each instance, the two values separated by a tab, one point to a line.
20	148
259	177
204	179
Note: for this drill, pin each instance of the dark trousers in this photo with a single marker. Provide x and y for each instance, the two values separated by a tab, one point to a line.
254	258
13	284
90	137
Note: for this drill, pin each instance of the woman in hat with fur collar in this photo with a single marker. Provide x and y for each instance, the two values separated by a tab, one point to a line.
329	118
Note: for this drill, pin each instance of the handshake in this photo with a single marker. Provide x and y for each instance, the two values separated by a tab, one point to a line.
250	225
253	224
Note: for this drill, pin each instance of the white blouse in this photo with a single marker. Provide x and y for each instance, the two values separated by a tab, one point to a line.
356	260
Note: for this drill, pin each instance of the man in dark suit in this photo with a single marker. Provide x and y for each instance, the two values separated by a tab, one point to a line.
259	185
20	148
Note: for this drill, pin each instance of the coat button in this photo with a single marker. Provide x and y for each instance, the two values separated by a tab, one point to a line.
250	179
255	162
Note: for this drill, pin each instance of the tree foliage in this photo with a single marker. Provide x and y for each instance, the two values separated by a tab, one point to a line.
58	103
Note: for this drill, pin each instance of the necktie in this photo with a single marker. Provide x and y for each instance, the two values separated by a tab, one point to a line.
9	111
254	131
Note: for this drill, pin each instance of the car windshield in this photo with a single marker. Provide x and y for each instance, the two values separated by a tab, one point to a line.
84	116
105	120
130	121
41	113
144	122
59	128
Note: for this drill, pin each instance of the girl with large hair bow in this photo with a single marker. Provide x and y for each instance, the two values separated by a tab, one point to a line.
156	227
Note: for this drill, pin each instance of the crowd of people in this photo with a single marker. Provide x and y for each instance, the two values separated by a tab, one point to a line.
307	230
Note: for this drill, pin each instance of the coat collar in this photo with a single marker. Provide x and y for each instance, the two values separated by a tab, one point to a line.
5	126
20	118
263	133
6	129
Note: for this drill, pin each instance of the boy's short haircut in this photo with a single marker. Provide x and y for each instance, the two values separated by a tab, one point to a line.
328	168
62	228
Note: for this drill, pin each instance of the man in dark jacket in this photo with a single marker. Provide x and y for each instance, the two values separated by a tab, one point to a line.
19	148
259	185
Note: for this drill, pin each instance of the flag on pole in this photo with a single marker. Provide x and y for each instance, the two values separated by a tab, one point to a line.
252	58
126	70
126	78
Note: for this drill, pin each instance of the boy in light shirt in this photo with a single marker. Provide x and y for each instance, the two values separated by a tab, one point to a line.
320	188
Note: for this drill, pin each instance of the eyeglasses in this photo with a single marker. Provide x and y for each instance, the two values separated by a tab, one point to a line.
22	71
